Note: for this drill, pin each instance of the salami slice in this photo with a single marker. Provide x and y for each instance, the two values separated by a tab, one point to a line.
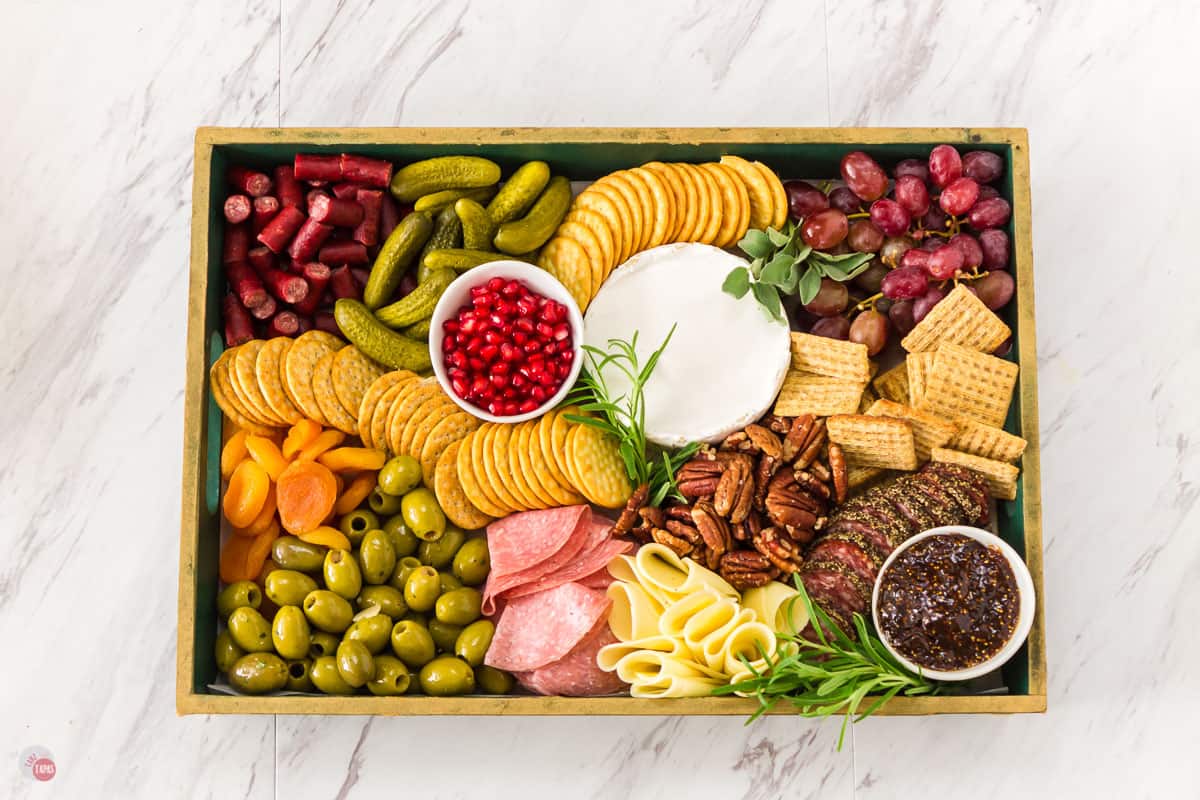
600	579
848	553
576	673
523	547
833	580
541	628
595	554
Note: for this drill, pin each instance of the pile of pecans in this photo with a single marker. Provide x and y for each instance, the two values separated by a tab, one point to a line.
752	503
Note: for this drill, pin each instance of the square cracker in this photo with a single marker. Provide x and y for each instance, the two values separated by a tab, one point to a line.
961	318
966	383
893	384
819	395
929	430
834	358
988	442
916	367
871	441
1001	477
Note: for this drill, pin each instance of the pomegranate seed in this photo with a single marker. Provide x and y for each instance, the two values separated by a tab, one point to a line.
550	349
450	326
526	306
493	337
496	319
528	405
520	337
538	393
567	356
544	329
562	332
511	289
531	346
511	408
509	394
564	369
489	352
498	380
449	343
458	359
482	301
474	345
495	284
479	385
519	381
478	291
493	408
501	368
524	324
478	364
459	386
549	313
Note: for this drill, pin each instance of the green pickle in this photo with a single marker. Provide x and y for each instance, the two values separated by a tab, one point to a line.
287	587
250	631
396	254
342	574
447	676
423	515
474	640
440	552
404	542
459	259
389	599
535	228
291	553
444	635
258	673
493	681
459	606
383	504
375	632
377	557
328	611
413	181
356	523
439	201
379	342
412	643
290	633
478	228
238	595
421	590
519	192
354	662
326	677
391	677
472	561
414	307
226	651
321	643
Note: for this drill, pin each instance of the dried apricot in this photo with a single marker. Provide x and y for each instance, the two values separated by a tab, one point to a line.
246	494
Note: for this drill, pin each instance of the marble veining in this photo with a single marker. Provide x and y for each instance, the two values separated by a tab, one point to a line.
101	106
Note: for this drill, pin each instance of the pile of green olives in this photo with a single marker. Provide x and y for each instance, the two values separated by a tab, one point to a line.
399	613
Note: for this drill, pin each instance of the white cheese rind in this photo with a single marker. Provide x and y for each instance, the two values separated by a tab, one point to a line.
726	360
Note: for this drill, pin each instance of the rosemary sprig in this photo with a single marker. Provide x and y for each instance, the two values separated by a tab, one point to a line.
834	674
624	416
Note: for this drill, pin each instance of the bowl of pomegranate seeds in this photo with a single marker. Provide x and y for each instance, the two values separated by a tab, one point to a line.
505	341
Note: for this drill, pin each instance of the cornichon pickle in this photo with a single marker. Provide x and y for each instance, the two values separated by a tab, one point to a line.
458	606
440	552
493	681
447	233
290	633
389	599
421	590
391	677
417	304
378	341
519	192
377	557
354	662
226	651
325	676
356	523
322	644
328	611
473	642
250	631
291	553
374	632
472	562
287	587
437	202
459	260
258	673
342	574
399	251
236	595
420	178
403	540
419	331
478	228
298	679
535	228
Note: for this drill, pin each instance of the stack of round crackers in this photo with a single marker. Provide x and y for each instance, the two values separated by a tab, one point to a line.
551	461
658	203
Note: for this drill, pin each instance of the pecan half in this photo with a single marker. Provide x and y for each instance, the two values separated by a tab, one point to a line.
821	471
780	551
713	529
629	515
740	442
837	465
684	531
792	507
763	472
780	425
796	436
681	547
746	569
699	476
811	484
735	490
764	440
813	446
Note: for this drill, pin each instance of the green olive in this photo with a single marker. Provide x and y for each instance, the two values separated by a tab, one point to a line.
325	676
374	632
258	673
376	556
391	677
399	475
412	643
404	568
328	611
354	662
389	599
342	574
448	582
249	630
383	504
287	587
291	553
356	523
419	619
238	595
459	606
226	651
299	679
403	540
493	681
444	635
440	552
422	588
446	676
472	562
423	515
290	633
322	644
473	643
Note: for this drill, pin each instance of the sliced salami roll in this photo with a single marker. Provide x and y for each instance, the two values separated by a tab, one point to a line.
915	507
598	549
541	628
576	673
526	546
851	554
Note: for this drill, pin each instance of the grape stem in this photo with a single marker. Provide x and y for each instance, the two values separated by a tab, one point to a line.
859	215
863	305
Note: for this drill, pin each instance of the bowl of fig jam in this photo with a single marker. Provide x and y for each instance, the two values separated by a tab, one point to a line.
954	603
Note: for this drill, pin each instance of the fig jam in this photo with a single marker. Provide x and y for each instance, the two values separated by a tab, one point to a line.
949	602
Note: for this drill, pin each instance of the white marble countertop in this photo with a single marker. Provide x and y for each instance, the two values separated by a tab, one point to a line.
100	107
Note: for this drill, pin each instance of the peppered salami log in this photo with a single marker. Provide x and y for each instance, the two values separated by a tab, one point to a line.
852	554
834	581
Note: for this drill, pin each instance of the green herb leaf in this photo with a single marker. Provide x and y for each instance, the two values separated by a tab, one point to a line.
737	282
756	244
768	298
756	267
776	271
778	238
810	284
793	279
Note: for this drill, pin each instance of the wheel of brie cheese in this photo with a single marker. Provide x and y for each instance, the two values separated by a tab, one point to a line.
726	360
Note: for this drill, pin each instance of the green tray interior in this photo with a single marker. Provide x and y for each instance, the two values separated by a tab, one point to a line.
579	162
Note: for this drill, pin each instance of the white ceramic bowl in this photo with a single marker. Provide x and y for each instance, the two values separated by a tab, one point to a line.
1024	615
458	294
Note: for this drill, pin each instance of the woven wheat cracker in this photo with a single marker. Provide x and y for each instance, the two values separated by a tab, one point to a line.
874	441
819	395
966	383
960	318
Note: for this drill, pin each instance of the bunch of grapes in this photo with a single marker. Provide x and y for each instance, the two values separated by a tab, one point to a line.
939	221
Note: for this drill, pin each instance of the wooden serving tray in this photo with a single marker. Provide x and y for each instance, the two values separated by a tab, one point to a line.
582	154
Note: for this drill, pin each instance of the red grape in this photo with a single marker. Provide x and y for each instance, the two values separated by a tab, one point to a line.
864	237
832	328
804	199
894	247
912	195
983	166
864	176
990	213
959	196
931	243
935	219
905	283
890	217
986	191
945	262
925	303
916	257
870	328
995	289
972	252
825	229
911	166
1004	349
831	299
901	315
845	200
995	248
870	278
945	165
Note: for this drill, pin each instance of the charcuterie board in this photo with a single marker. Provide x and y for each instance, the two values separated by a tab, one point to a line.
614	421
